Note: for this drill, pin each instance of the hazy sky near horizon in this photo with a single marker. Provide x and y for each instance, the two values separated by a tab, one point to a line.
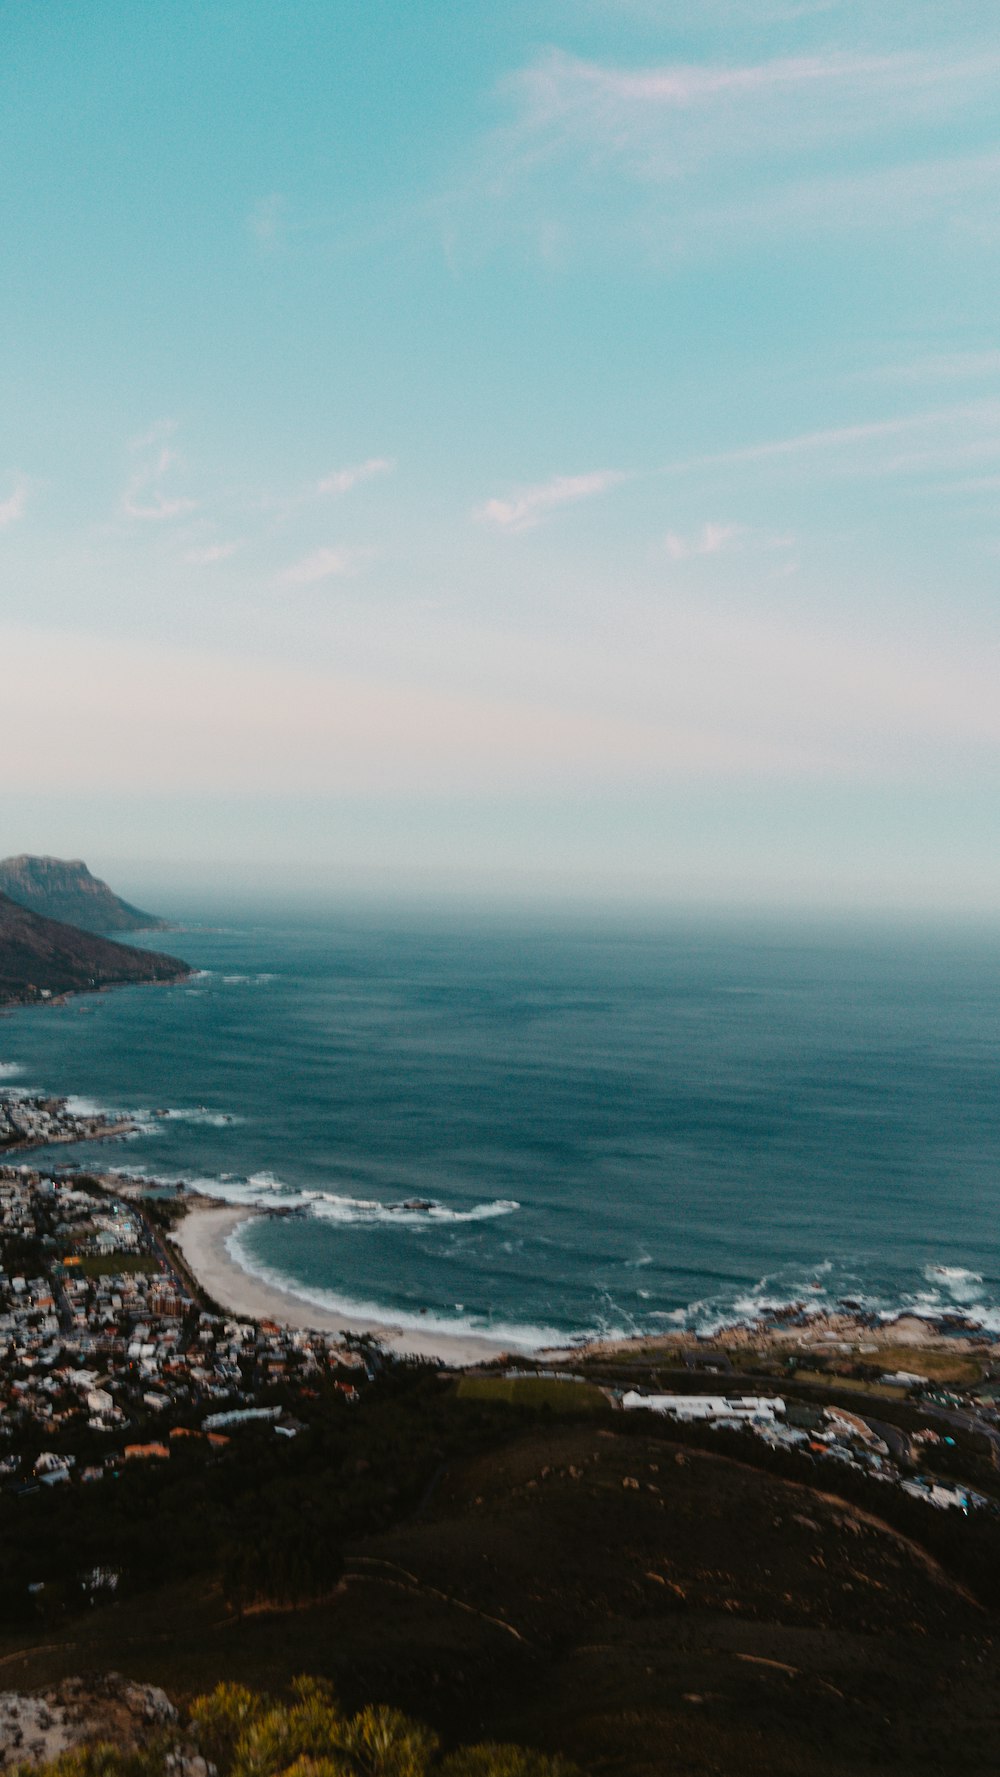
540	448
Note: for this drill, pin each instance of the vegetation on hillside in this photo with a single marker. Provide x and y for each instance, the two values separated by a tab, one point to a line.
244	1733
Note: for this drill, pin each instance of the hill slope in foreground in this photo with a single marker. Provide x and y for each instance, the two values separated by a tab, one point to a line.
64	889
646	1609
40	957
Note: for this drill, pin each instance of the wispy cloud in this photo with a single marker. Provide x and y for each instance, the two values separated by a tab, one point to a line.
658	156
12	507
146	498
951	429
561	84
721	539
525	509
658	120
712	539
154	434
939	367
208	553
341	481
323	564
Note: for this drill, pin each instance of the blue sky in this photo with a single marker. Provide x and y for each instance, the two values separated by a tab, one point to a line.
546	449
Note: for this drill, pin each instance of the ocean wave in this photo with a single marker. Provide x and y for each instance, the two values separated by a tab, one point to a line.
148	1121
265	1190
963	1285
353	1212
197	1114
79	1106
260	1190
514	1335
9	1070
963	1298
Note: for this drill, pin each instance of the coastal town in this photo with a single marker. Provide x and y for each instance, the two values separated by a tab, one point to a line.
168	1450
31	1121
104	1342
108	1340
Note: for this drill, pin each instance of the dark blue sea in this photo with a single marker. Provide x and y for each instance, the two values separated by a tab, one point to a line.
617	1130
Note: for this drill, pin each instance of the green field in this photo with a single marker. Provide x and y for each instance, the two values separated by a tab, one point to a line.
833	1384
535	1391
115	1265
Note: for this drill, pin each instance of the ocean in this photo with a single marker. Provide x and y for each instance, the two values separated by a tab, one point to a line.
545	1132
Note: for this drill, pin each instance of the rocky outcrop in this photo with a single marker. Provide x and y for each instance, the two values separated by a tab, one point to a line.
64	889
41	958
41	1725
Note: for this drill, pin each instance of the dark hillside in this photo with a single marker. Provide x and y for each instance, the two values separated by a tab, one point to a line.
41	957
641	1607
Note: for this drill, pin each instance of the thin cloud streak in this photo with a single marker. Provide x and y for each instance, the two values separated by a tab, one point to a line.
833	438
526	509
210	553
145	498
341	481
683	135
323	564
13	507
626	109
938	367
557	82
712	540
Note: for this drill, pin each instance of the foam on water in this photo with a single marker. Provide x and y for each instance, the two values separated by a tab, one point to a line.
521	1338
705	1127
265	1190
355	1212
198	1114
78	1106
964	1285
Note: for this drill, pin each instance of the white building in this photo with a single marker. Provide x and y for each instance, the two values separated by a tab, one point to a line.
707	1406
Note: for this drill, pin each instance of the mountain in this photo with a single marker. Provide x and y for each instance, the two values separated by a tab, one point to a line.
40	957
64	889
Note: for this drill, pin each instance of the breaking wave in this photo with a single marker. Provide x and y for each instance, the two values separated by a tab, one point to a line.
197	1114
78	1106
963	1285
466	1326
354	1212
265	1190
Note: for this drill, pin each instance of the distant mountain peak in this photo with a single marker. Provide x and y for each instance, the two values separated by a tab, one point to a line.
65	889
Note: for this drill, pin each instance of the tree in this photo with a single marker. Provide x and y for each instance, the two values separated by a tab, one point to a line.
385	1743
222	1718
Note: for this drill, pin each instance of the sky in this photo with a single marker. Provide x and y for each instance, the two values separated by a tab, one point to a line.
548	450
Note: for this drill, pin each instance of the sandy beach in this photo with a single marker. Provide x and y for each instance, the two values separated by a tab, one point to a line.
203	1234
202	1237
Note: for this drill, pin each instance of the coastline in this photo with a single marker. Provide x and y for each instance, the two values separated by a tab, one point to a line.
202	1239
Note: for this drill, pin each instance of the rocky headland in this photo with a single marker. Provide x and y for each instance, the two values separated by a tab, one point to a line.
64	889
42	958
